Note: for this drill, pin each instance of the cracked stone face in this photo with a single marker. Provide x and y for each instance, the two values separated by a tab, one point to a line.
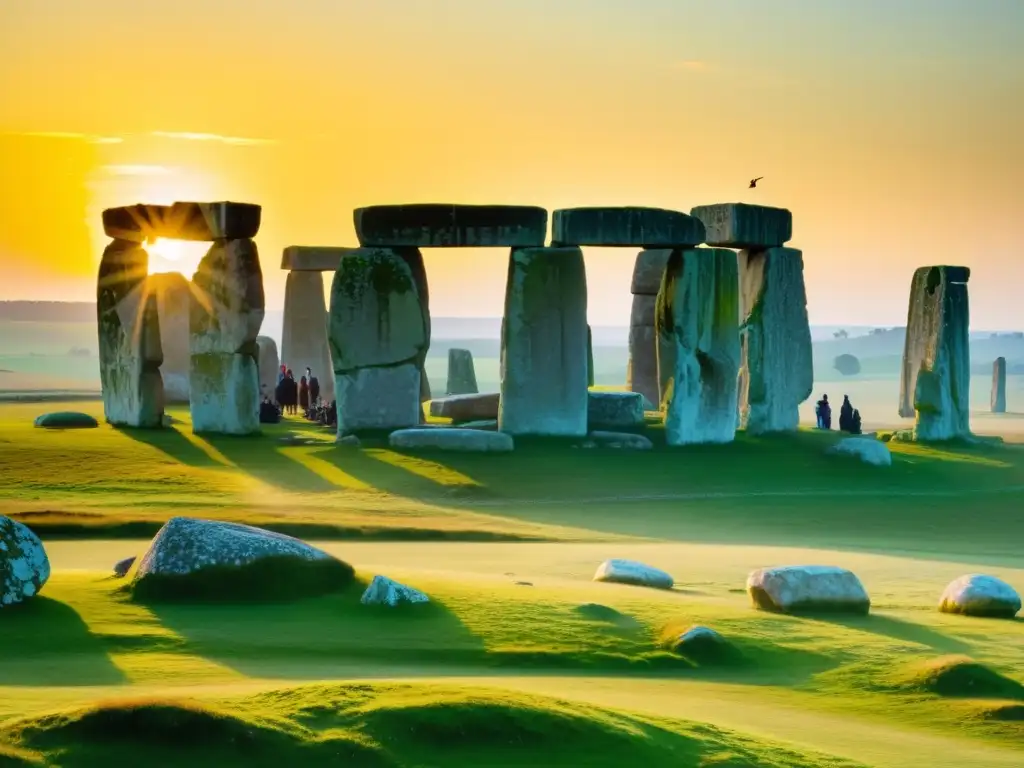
24	566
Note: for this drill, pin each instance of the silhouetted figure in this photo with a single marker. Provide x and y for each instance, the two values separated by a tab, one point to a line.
824	413
291	393
753	182
855	427
269	413
314	388
846	415
303	395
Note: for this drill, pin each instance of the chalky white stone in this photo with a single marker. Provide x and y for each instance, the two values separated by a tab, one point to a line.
634	573
807	588
867	449
977	594
385	591
24	566
452	439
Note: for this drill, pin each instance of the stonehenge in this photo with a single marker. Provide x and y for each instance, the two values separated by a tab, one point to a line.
642	368
461	373
269	365
998	402
304	337
936	375
173	298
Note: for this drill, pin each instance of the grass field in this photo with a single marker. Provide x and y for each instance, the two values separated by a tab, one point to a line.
511	664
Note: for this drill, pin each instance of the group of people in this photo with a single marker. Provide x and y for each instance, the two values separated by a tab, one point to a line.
290	396
849	417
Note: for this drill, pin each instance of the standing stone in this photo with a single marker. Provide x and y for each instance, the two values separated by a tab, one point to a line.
461	373
129	338
642	368
936	376
173	298
777	372
999	385
228	306
590	358
544	344
304	341
269	363
378	338
414	258
699	345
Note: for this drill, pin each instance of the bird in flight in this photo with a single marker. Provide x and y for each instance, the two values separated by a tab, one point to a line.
753	182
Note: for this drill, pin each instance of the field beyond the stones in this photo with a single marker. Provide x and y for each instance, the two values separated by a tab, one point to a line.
511	663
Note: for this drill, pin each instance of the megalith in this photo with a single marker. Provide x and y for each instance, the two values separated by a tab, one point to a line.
999	385
269	364
590	357
173	298
130	351
461	373
304	339
544	344
936	377
642	369
377	338
777	370
697	319
227	310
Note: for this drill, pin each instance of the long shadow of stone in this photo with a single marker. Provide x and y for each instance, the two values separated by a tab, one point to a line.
897	629
173	444
262	458
45	642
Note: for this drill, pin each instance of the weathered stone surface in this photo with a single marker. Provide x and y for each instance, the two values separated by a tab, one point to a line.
376	313
314	258
121	567
413	257
648	271
807	588
269	364
698	641
443	225
615	410
977	594
642	368
625	226
641	315
66	420
867	449
452	439
378	398
636	574
936	376
466	407
222	220
627	441
739	225
385	591
461	373
130	352
699	346
590	357
227	310
304	339
998	400
135	223
544	344
777	370
24	566
173	301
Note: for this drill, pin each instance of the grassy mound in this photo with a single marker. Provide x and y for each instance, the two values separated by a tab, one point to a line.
66	420
960	677
269	579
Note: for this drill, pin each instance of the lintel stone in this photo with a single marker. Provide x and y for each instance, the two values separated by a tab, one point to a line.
202	222
315	258
745	226
625	226
446	225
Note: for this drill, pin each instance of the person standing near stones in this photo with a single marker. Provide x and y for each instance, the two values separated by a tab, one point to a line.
314	388
304	395
291	392
824	411
846	415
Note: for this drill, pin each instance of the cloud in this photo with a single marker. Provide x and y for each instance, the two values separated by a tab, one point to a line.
691	65
232	140
72	136
138	170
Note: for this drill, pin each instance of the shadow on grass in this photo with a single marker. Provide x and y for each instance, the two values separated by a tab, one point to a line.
172	443
40	630
897	629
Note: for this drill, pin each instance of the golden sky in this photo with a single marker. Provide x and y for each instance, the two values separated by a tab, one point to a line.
894	133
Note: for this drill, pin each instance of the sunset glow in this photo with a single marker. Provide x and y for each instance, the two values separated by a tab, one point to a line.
175	256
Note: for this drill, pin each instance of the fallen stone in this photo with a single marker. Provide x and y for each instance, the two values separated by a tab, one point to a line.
212	221
699	346
452	439
544	344
642	366
461	373
979	595
998	400
378	398
807	588
739	225
614	410
466	407
24	566
269	364
777	370
867	449
66	420
641	314
173	303
936	377
648	271
385	591
621	440
442	225
633	573
625	226
304	339
121	567
314	258
135	223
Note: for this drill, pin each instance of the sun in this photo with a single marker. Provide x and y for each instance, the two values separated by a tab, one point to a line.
175	256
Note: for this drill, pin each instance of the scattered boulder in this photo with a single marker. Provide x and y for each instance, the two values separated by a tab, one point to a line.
461	373
633	573
867	449
24	566
452	439
625	226
848	365
615	410
121	567
979	595
700	644
629	441
385	591
744	226
998	397
66	420
808	589
466	407
444	225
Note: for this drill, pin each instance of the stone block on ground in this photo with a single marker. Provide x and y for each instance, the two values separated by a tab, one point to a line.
977	594
452	439
385	591
304	338
867	449
744	226
444	225
314	258
269	364
625	226
699	346
808	589
615	410
777	370
544	344
24	566
378	398
631	572
936	376
66	420
648	271
628	441
461	373
466	407
998	399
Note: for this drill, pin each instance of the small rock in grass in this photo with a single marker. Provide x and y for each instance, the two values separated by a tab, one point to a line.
634	573
977	594
66	420
385	591
808	588
867	449
349	441
121	567
621	440
700	643
24	566
599	612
